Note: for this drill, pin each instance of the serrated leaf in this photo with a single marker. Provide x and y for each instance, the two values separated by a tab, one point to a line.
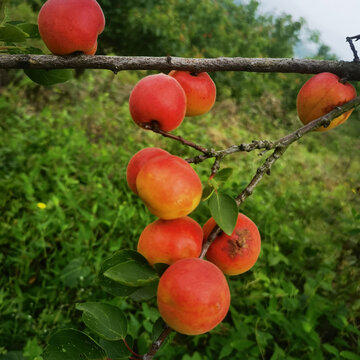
207	192
223	174
146	292
49	77
12	33
224	210
106	320
132	273
116	350
73	344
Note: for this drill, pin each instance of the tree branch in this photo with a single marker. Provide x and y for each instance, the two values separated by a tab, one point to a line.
279	146
350	70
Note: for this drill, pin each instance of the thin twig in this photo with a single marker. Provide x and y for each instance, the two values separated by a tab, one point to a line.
154	126
350	39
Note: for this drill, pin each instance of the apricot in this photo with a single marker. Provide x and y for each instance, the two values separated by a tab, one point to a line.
238	252
67	26
158	99
200	91
166	241
321	94
169	187
193	296
137	162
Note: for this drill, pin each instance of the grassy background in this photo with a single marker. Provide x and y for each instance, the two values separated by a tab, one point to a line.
67	147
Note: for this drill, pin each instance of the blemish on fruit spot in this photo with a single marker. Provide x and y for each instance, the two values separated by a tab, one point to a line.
238	242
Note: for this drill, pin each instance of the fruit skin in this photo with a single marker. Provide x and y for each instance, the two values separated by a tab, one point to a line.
237	253
169	187
158	98
67	26
138	161
321	94
167	241
193	296
200	91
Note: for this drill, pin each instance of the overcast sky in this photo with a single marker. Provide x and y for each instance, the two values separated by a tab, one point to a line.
333	18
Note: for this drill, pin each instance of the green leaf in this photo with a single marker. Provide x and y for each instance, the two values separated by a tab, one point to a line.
73	344
49	77
31	29
116	350
223	174
331	349
160	268
146	292
12	33
207	192
12	355
108	321
349	355
74	273
224	210
113	287
158	328
132	273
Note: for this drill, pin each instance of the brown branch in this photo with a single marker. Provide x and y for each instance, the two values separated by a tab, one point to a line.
350	39
157	344
350	70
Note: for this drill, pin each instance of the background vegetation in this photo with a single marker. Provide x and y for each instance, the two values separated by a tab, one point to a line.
65	205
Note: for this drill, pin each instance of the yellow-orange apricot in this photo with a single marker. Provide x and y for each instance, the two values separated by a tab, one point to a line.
158	99
200	91
321	94
166	241
67	26
193	296
138	161
169	187
238	252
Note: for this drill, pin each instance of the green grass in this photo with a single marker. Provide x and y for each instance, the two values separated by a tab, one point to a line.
68	146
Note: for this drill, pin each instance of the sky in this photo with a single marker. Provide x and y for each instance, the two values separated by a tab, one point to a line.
334	19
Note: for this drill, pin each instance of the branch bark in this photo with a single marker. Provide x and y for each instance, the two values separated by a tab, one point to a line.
349	70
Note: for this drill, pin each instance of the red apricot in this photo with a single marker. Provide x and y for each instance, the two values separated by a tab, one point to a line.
193	296
67	26
238	252
137	162
169	187
200	91
166	241
158	99
321	94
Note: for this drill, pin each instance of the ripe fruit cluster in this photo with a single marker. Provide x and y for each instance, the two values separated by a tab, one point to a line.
164	100
193	294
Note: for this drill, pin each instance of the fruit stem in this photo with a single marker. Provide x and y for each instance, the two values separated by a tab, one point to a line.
131	350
